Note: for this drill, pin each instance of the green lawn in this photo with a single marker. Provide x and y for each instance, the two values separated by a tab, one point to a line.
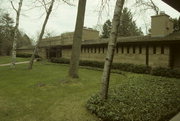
7	59
46	94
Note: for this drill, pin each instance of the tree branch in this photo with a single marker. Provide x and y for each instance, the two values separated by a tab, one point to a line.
68	3
13	7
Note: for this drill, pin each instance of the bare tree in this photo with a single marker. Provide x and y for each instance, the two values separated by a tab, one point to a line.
147	5
77	40
48	12
15	32
111	48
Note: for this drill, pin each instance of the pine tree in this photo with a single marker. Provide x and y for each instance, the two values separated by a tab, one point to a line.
127	26
106	29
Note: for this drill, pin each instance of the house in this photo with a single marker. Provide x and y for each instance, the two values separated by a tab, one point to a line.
159	49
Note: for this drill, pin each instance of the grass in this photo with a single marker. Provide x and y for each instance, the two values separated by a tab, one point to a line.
7	59
46	94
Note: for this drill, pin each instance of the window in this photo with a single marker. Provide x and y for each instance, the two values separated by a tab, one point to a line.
128	50
117	49
122	49
103	49
88	49
140	49
154	49
162	49
134	49
99	49
91	50
95	50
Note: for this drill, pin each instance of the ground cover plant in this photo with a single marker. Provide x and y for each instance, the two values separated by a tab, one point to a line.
139	98
8	59
47	94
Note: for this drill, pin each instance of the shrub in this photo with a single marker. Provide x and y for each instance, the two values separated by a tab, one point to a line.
91	63
132	68
97	64
60	60
159	71
167	72
26	55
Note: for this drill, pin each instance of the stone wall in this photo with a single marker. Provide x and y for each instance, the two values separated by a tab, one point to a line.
158	57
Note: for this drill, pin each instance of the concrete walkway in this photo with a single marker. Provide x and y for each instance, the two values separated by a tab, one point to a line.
8	64
176	118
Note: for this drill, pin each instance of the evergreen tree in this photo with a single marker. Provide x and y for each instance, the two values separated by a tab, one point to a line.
106	29
127	26
6	35
176	24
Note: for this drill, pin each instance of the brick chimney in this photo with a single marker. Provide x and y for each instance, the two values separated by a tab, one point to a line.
161	25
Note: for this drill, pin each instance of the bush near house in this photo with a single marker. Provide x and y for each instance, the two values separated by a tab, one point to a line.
159	71
26	55
146	98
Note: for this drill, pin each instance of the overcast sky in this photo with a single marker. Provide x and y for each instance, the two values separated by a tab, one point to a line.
63	16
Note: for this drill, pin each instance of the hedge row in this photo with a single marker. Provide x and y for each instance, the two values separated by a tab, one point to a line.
159	71
25	55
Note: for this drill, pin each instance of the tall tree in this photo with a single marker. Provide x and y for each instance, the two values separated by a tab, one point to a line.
15	32
127	26
106	29
48	12
77	40
111	48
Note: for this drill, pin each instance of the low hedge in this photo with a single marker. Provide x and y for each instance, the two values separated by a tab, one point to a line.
159	71
26	55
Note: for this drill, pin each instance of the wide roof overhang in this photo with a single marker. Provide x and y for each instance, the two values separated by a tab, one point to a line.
173	3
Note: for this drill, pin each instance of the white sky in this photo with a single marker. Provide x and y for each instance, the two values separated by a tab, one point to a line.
63	17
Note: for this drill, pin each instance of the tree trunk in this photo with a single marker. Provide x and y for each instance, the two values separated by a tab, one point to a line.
15	34
111	48
77	40
41	35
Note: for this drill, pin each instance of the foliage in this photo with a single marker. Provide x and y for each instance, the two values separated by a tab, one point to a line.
6	35
97	64
26	55
176	24
159	71
143	98
127	27
106	29
132	68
